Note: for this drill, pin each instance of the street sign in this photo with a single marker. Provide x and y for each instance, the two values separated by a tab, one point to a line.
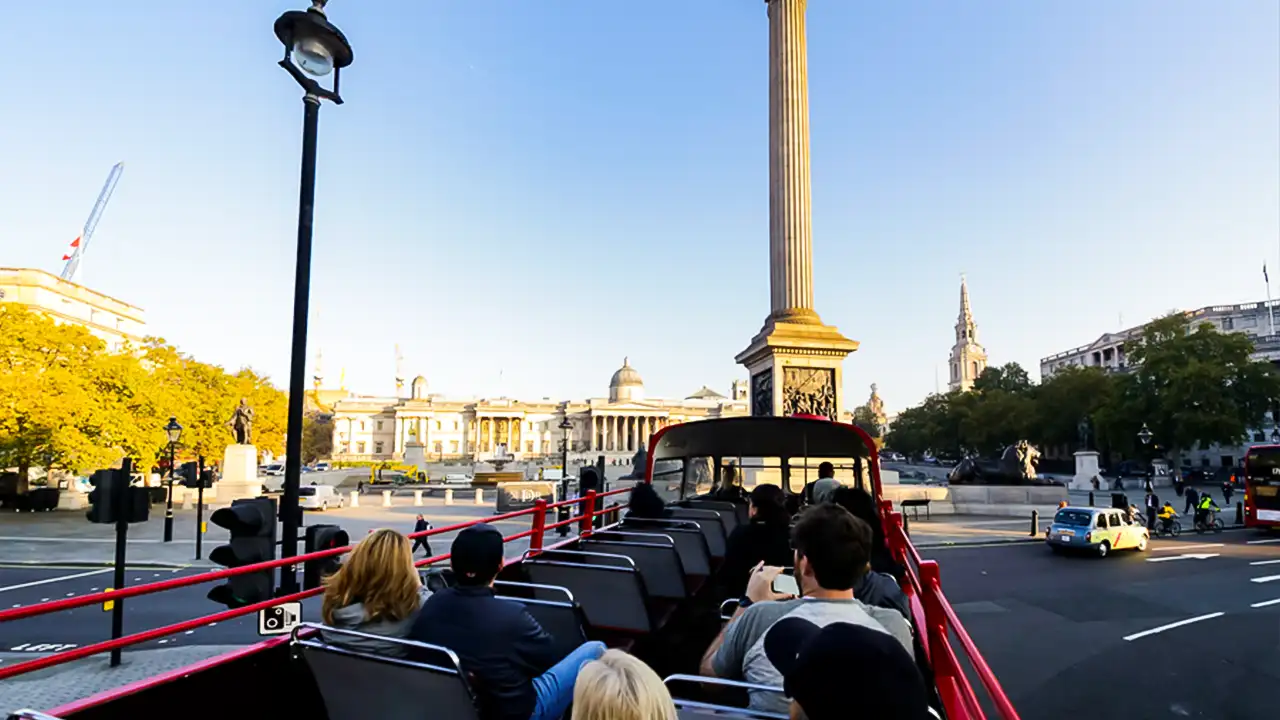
279	620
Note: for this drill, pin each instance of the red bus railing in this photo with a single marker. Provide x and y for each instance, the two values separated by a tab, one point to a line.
536	535
935	621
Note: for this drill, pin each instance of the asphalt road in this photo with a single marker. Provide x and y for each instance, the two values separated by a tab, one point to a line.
1189	629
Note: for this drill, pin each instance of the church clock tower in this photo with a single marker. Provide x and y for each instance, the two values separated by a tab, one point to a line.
968	358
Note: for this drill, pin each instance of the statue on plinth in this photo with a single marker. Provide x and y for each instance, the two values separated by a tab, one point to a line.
241	423
876	406
1085	431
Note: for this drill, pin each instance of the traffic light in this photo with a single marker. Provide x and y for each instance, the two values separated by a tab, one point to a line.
103	497
189	474
322	537
252	524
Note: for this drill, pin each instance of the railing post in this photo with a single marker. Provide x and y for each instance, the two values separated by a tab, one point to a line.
539	524
588	513
935	618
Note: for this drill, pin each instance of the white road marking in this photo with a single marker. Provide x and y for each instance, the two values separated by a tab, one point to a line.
1262	542
1266	579
1265	603
1188	556
1171	626
1264	562
1178	546
188	632
55	579
25	538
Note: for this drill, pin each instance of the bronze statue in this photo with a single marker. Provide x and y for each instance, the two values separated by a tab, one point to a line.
1085	431
241	423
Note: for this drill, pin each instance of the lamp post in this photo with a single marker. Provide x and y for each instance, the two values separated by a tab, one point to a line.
1275	436
1145	435
564	514
174	431
313	49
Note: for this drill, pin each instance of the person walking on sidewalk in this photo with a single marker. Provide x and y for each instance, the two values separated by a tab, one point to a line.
1227	491
1193	499
1153	509
422	525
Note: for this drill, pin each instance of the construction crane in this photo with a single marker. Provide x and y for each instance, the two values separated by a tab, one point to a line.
80	244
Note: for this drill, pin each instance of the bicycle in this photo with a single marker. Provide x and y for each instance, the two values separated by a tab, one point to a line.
1211	523
1173	530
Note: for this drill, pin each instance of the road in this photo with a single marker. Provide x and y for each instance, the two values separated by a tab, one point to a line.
1188	629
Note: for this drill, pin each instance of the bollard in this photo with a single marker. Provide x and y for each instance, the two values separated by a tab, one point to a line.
906	525
1090	498
386	498
186	501
1035	523
448	496
1239	513
355	498
417	498
479	496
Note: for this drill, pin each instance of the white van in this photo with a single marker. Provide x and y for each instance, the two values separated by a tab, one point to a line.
319	497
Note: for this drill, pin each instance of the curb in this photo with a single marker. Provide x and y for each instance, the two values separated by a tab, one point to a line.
104	563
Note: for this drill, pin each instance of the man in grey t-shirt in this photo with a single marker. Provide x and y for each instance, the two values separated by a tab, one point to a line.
826	484
832	550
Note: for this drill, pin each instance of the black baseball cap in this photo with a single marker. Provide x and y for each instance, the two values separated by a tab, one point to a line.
476	555
843	668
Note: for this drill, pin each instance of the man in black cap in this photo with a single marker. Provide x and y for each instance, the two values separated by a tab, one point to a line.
818	663
510	657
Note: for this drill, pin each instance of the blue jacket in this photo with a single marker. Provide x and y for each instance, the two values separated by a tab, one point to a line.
502	648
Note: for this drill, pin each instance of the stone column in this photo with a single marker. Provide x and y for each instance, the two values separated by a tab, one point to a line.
790	232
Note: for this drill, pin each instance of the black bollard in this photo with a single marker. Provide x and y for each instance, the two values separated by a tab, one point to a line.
906	525
1090	498
1239	513
1035	523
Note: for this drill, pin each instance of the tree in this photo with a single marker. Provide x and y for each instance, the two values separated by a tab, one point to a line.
1190	387
1010	377
317	437
864	418
1063	399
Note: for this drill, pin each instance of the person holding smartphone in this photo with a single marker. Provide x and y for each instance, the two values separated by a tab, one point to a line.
832	552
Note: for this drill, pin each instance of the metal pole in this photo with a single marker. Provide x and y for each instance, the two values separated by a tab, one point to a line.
168	508
122	543
297	368
199	504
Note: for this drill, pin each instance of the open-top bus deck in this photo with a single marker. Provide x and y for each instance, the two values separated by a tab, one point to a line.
644	585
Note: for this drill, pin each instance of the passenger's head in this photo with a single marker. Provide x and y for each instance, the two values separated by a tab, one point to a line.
826	470
858	502
823	667
476	555
645	502
833	549
378	574
620	687
769	505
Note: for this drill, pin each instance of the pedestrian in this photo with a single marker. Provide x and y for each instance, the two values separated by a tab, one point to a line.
360	488
1153	509
422	525
1193	498
1227	490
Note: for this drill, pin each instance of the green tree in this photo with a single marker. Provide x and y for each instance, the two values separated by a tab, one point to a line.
996	419
1010	377
317	437
1063	399
1190	387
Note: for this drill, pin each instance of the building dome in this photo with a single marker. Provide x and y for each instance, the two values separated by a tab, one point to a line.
626	384
418	389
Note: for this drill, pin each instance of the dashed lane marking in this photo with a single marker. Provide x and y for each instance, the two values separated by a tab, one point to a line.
1265	579
1266	603
1179	546
1262	542
1171	626
53	580
1264	562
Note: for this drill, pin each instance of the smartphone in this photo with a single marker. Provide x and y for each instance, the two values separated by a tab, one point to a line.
786	585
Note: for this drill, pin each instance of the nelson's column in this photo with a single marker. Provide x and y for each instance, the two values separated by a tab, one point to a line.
794	360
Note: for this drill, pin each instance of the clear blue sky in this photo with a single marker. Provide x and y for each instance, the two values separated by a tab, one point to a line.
538	189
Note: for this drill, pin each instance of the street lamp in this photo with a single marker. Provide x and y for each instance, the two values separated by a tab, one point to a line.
174	432
313	48
563	514
1145	435
1275	436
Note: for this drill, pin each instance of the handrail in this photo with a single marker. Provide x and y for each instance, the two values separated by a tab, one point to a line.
538	511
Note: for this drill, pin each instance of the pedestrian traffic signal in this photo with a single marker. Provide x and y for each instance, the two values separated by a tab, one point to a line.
103	497
189	475
322	537
252	524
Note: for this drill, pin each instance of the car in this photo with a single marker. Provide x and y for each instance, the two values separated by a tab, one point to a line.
1097	530
319	497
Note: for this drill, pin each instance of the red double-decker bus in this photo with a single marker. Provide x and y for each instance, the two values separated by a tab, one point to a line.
1262	486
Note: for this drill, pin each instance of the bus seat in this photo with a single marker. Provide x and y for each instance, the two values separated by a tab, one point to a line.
612	598
727	510
532	591
686	708
690	541
658	563
564	621
711	524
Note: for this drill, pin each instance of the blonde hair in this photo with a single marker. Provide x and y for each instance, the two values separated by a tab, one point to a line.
379	574
620	687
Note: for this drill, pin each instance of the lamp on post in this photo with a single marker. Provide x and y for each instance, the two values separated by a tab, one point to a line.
313	49
1275	436
174	432
563	513
1145	435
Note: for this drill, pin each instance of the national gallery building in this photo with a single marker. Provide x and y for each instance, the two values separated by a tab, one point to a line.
371	428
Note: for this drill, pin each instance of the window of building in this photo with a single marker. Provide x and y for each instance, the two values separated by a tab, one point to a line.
361	426
379	424
455	425
346	448
528	446
377	448
453	446
1228	323
359	448
439	447
1	294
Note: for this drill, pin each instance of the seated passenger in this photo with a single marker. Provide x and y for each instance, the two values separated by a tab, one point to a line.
619	686
1166	516
822	490
730	488
645	503
860	503
842	670
511	660
376	591
766	538
832	549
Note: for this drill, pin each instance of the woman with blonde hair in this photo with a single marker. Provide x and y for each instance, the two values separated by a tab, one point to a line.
620	687
376	591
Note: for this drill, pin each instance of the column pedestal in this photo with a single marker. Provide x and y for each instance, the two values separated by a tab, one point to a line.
239	474
796	369
1086	471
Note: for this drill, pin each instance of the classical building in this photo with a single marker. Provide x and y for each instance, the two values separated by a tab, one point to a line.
968	358
115	321
481	429
1107	352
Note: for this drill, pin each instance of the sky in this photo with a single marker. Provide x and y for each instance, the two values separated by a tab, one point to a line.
521	194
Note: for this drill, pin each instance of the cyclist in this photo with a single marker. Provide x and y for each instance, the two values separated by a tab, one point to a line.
1205	509
1166	516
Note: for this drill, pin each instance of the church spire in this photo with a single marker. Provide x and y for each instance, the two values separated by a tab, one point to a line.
966	313
968	358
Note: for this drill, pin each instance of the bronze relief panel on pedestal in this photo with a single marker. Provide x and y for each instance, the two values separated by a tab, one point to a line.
809	391
762	394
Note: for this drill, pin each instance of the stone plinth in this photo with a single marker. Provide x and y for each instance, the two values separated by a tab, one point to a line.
796	369
415	454
1086	471
239	474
